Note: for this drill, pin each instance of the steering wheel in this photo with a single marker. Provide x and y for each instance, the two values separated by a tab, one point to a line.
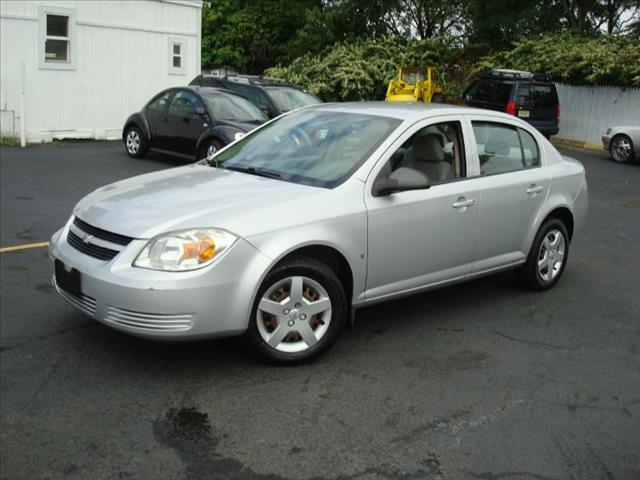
300	136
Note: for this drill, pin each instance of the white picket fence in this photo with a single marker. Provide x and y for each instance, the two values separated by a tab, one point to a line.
587	112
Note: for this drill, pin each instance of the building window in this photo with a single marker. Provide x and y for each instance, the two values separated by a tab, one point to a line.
56	47
176	56
56	35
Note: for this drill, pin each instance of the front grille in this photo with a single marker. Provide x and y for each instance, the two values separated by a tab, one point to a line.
90	249
102	234
150	321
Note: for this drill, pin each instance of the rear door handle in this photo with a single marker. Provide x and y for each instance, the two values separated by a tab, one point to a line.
534	189
463	203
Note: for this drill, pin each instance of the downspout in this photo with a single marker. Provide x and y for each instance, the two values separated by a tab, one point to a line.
23	140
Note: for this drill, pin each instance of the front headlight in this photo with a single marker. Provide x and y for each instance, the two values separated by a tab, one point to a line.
184	250
238	135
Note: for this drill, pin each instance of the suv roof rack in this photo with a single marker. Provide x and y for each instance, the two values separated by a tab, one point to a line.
510	74
256	80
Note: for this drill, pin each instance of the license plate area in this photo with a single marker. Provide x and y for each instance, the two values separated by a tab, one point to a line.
524	113
69	281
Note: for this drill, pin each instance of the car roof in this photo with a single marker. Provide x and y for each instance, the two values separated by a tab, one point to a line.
404	111
198	88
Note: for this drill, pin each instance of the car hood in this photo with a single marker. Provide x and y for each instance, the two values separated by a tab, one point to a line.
189	197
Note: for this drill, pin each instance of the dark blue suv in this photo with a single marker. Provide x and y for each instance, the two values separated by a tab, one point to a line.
531	97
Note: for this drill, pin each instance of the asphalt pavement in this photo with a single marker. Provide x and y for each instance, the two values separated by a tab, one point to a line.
482	380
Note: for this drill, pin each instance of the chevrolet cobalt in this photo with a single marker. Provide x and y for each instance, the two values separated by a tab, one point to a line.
282	234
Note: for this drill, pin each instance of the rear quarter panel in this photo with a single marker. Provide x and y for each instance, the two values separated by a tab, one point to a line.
568	189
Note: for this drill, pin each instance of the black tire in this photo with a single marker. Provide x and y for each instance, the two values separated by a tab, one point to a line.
130	134
621	137
529	272
323	275
204	148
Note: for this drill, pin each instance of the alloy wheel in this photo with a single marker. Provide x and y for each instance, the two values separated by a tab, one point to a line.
621	149
551	255
211	151
294	314
133	142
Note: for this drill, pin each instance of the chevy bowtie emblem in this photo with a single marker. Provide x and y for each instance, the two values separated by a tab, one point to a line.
87	239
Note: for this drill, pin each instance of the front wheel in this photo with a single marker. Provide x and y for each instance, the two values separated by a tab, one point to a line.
208	150
135	143
298	313
621	149
548	256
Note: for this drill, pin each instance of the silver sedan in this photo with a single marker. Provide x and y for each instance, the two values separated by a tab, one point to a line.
622	143
287	231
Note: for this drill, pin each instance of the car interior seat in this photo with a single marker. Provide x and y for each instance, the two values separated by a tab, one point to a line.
429	158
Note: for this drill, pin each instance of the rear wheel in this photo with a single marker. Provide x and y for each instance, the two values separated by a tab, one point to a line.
548	256
621	149
134	142
298	313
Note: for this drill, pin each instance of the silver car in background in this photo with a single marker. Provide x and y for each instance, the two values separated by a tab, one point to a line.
622	143
285	232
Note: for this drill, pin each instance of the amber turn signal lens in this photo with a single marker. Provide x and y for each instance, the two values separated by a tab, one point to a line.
206	249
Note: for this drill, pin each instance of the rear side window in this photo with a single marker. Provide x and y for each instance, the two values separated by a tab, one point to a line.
159	103
490	91
503	148
257	96
537	96
530	150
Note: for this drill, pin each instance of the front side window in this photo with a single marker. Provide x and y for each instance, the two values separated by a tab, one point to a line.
436	150
504	148
312	147
184	103
232	108
287	98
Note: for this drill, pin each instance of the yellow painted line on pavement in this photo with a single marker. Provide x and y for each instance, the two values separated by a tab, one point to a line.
16	248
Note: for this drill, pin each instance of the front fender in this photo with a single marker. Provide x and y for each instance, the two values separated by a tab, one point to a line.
346	233
223	133
140	120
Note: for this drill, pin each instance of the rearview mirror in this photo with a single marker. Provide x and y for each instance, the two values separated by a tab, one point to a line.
401	180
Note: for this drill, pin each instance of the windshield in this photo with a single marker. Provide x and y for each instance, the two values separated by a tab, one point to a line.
312	147
287	98
231	108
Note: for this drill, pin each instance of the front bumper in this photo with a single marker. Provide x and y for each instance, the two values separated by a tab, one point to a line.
213	301
606	139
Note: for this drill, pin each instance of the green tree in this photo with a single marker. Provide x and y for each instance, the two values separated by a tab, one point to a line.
251	35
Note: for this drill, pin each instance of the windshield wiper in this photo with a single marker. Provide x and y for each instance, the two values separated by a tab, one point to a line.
254	171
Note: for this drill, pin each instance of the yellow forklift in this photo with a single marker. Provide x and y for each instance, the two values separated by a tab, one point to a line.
414	84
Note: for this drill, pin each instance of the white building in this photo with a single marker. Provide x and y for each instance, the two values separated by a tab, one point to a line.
85	65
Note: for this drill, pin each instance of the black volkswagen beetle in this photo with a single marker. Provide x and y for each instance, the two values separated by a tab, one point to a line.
190	121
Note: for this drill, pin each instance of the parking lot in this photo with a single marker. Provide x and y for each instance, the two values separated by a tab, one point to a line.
482	380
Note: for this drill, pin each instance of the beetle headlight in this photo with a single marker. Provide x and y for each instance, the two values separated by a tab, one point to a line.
184	250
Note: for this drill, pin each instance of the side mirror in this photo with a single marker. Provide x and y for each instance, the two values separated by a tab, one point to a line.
200	110
401	180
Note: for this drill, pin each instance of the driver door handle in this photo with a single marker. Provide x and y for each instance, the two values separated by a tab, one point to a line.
462	202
